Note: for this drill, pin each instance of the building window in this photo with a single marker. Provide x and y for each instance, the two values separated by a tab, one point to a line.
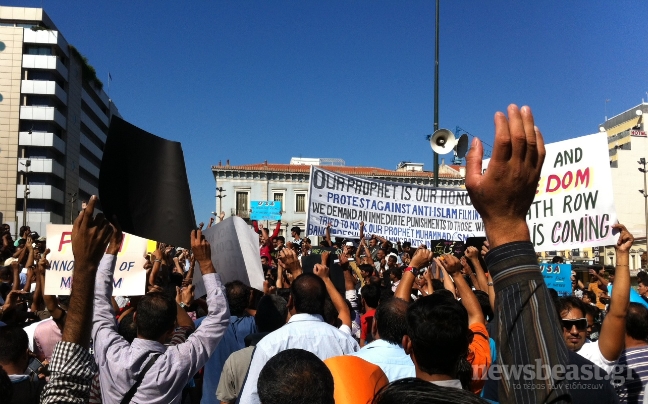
300	203
242	206
278	196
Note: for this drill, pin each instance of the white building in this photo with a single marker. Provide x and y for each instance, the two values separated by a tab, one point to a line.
628	145
54	119
288	183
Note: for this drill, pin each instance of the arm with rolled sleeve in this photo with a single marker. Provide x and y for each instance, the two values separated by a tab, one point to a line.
194	353
71	371
529	331
104	325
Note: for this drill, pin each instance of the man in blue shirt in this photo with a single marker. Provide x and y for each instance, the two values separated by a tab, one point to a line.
388	328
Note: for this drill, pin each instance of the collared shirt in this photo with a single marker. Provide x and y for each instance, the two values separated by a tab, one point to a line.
391	358
633	361
303	331
120	363
46	335
71	370
233	340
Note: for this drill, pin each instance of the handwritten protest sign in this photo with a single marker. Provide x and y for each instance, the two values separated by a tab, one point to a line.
393	210
266	210
130	275
574	203
558	277
234	253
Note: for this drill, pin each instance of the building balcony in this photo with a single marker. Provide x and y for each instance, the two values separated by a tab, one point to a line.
43	87
40	192
47	166
87	143
47	37
45	62
242	213
39	113
93	127
41	139
88	188
90	102
88	166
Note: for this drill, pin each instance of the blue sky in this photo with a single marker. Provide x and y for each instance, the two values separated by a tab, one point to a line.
267	80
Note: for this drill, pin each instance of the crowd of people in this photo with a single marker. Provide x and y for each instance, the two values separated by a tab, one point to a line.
345	321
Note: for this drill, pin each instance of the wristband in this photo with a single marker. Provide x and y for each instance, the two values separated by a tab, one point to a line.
414	271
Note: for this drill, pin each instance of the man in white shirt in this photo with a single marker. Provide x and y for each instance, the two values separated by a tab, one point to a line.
306	330
606	351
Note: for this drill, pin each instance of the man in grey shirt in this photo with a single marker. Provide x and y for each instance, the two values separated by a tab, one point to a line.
120	363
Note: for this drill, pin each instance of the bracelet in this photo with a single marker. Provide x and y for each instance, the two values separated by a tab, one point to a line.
622	265
490	284
157	261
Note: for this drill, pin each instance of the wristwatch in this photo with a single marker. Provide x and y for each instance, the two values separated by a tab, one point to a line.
182	305
414	271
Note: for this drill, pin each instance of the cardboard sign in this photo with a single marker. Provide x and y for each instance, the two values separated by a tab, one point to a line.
393	210
265	210
558	277
574	203
234	253
130	275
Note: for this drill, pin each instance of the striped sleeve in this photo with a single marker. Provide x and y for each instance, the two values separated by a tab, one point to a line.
71	368
529	334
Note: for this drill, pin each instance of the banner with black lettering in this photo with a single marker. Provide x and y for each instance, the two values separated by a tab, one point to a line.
393	210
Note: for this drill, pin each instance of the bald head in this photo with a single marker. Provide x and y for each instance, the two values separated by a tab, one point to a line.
391	320
309	293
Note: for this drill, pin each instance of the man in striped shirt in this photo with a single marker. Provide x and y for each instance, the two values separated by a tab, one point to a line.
631	377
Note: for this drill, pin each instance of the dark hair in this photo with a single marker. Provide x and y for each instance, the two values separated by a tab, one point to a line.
591	295
296	230
397	272
238	297
637	322
367	268
484	303
13	344
438	328
391	320
437	284
271	314
568	304
557	260
642	277
6	387
416	391
444	292
281	238
23	229
156	314
127	328
406	244
330	312
308	292
295	376
371	294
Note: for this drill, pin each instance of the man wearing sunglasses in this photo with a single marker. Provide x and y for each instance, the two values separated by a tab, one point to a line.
606	351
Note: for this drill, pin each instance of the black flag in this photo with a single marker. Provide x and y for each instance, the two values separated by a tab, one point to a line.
143	181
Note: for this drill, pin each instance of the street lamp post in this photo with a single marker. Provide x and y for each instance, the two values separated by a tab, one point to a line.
27	164
220	197
644	192
72	200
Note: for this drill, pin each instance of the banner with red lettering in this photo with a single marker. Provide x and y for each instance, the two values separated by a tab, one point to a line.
574	203
130	275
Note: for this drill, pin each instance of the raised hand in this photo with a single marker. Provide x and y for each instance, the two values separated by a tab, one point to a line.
625	239
90	237
503	194
450	264
422	257
471	253
202	252
321	270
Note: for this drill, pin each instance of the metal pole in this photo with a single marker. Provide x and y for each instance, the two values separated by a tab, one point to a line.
645	205
436	92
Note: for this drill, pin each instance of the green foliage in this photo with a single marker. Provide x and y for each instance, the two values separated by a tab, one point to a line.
88	73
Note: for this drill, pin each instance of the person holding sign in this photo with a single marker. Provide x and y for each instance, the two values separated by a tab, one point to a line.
147	370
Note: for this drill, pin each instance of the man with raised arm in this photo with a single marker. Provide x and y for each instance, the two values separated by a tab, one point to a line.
529	330
147	370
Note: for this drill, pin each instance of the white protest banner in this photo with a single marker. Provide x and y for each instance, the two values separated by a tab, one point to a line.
393	210
574	203
130	275
234	253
